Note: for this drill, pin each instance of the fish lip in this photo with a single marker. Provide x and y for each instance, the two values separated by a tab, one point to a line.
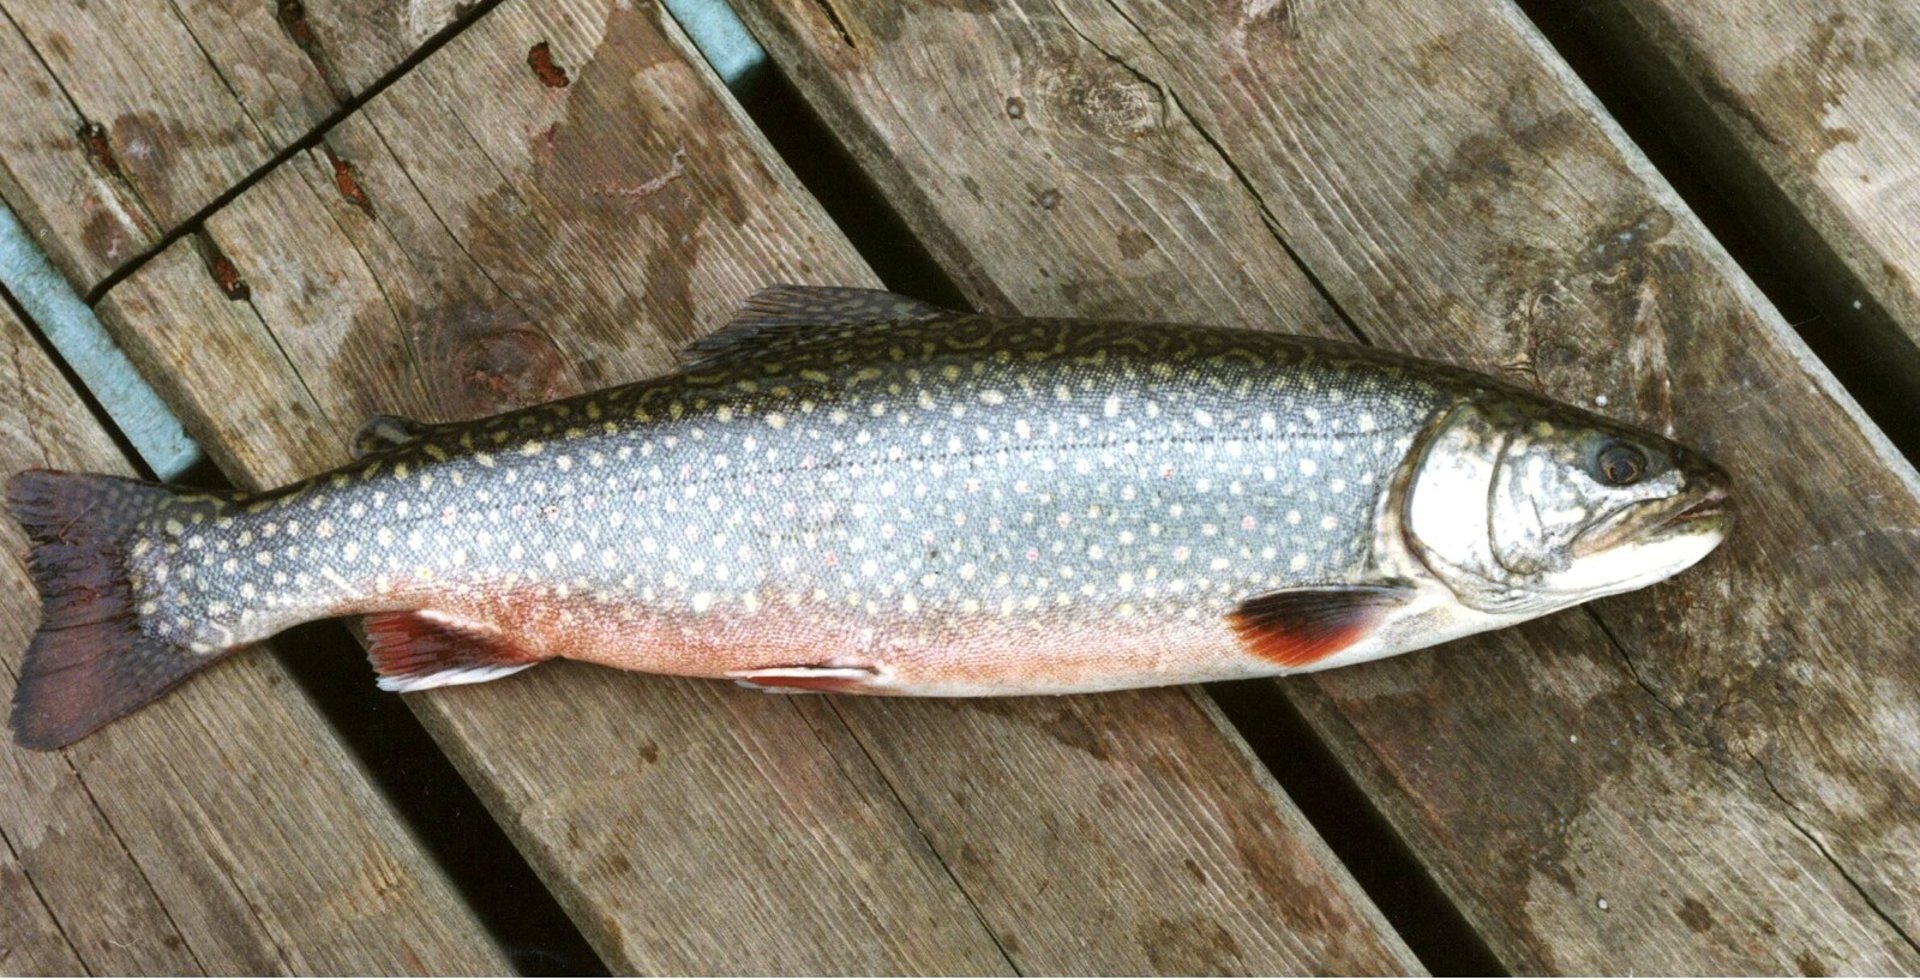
1717	503
1714	506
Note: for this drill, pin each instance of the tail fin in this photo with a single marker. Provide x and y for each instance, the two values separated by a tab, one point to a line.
91	662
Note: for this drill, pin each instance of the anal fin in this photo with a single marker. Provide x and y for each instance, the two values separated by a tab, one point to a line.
414	650
1297	628
803	678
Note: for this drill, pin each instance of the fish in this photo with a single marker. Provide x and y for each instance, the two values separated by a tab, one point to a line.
848	490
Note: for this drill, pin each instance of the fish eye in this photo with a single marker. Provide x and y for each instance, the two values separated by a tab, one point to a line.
1620	464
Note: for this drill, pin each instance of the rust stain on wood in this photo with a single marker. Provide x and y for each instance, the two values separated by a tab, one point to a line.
347	181
540	59
99	149
292	16
226	275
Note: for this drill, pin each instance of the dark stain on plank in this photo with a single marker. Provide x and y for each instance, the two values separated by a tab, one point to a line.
1190	946
598	181
540	59
146	145
1058	719
1809	77
1695	914
483	357
112	231
104	235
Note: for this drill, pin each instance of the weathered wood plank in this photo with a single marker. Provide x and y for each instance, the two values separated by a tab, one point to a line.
226	831
127	118
1809	114
34	945
559	199
1709	776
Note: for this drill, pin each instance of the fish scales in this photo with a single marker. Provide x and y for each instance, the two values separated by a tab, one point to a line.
891	490
900	500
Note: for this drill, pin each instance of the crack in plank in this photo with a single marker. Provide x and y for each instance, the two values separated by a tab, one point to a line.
912	819
1705	738
1793	808
833	16
1268	218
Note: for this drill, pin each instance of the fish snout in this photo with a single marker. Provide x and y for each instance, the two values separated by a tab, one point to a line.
1706	488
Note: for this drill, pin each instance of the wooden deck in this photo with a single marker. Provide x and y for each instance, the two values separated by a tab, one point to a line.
319	212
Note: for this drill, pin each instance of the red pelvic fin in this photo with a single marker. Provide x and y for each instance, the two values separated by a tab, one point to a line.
92	659
417	649
1300	627
814	677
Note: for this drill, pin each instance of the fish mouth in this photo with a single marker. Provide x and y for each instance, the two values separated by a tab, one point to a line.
1712	510
1717	503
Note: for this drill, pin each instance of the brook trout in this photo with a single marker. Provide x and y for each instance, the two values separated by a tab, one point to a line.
849	490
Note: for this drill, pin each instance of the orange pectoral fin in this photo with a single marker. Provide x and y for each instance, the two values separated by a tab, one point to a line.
418	649
805	678
1299	627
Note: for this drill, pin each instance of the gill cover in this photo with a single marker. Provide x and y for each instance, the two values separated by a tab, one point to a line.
1448	508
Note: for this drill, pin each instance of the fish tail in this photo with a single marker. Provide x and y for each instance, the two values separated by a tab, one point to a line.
92	660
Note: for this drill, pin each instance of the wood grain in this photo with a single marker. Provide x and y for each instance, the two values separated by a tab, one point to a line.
559	199
225	831
127	118
1712	775
1808	114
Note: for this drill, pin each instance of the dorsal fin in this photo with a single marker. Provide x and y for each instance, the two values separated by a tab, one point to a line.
783	313
384	432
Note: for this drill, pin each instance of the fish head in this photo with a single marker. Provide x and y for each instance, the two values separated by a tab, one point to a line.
1523	507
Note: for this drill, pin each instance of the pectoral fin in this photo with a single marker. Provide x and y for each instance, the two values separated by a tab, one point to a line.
1296	628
